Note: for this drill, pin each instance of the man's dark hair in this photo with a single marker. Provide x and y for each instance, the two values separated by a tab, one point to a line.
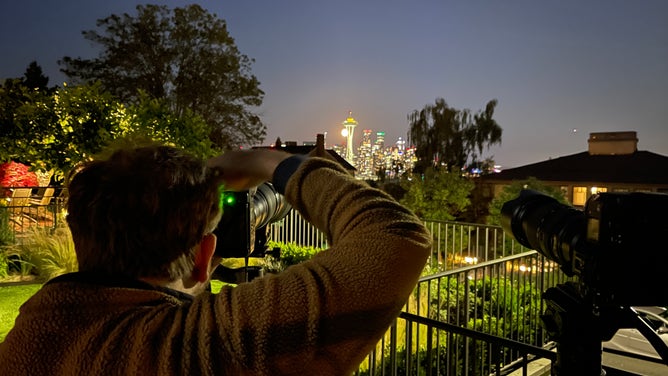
141	212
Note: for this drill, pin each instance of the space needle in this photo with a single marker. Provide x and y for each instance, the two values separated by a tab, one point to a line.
347	132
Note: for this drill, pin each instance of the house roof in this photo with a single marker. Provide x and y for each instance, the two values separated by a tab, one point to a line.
641	167
305	149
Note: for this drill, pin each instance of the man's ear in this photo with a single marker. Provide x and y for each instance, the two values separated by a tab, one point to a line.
203	258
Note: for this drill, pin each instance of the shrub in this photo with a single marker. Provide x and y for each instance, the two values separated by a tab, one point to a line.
290	254
6	233
46	253
13	174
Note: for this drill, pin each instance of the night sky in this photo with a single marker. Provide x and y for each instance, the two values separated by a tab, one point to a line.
559	69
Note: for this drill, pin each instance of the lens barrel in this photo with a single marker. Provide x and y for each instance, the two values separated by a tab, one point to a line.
268	205
540	222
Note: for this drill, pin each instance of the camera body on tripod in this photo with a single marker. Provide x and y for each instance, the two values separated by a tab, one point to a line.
617	245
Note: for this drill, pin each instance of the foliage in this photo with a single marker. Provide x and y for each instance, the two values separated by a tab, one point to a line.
290	254
513	190
47	253
152	118
13	174
184	56
437	194
6	230
89	121
13	297
15	124
60	130
446	136
4	264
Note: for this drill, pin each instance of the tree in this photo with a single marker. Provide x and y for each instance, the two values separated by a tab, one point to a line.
54	133
445	136
184	56
512	191
34	78
437	194
151	120
63	129
16	123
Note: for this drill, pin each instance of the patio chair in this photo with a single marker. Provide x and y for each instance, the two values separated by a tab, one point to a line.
18	203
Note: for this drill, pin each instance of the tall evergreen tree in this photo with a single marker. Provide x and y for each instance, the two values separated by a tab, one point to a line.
35	79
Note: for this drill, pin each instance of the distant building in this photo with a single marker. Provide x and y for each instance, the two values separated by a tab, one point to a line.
308	147
380	141
364	159
613	163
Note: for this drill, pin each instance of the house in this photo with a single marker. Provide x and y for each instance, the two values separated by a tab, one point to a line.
293	148
613	163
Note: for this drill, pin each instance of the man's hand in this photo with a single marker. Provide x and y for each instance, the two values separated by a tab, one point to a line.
245	169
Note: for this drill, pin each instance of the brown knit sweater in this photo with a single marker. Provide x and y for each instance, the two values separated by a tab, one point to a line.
318	318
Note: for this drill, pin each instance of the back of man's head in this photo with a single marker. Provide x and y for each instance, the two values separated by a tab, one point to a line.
141	212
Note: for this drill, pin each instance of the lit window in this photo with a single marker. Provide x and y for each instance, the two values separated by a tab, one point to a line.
595	190
579	196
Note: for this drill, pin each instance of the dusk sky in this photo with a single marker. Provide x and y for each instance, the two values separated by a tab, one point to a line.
559	69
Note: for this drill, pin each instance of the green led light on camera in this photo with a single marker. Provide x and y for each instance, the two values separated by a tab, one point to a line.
226	198
229	200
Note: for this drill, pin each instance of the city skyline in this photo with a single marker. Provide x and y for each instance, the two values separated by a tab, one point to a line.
559	70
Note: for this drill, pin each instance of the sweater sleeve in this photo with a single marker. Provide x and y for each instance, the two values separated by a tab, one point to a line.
323	316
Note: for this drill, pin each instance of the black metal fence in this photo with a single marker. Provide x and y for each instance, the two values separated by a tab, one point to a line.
475	320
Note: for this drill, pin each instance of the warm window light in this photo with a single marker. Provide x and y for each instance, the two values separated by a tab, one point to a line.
595	190
471	260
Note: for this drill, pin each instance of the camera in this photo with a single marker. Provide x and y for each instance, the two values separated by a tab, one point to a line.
614	249
616	246
242	230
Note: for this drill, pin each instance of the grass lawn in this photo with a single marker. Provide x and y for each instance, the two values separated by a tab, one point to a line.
11	298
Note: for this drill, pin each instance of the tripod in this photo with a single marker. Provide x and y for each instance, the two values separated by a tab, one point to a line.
578	323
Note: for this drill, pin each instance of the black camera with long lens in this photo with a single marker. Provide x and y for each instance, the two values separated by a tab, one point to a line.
616	249
617	245
243	228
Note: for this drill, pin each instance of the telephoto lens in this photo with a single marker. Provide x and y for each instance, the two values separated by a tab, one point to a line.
540	222
268	205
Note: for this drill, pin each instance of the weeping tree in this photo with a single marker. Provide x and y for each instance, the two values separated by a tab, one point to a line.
184	56
447	137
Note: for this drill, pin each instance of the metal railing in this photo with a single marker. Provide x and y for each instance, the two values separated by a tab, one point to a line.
295	230
476	320
458	244
455	244
416	345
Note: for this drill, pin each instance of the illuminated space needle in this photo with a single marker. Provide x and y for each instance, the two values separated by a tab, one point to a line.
347	132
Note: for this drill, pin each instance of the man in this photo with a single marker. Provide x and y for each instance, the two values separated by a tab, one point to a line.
142	224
